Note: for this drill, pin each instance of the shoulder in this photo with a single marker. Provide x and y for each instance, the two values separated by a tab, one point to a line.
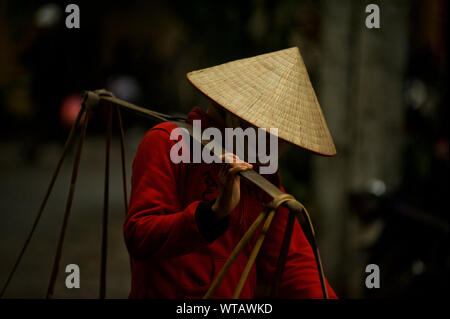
159	133
157	140
164	129
154	150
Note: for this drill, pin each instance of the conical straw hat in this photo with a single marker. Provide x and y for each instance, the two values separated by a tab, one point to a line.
271	90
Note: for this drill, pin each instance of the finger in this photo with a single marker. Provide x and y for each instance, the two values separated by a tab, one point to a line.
236	161
226	158
239	168
232	158
242	164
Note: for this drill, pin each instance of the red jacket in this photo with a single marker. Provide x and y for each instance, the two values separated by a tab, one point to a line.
177	254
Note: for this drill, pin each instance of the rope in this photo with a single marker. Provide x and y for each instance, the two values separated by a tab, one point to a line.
44	202
273	206
122	155
54	274
304	213
249	233
283	254
244	240
104	247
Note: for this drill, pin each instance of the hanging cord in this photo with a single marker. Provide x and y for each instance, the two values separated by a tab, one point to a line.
273	206
104	246
241	244
122	155
304	219
51	285
283	254
46	197
124	171
244	240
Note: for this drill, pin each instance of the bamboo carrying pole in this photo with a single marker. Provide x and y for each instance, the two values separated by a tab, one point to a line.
91	99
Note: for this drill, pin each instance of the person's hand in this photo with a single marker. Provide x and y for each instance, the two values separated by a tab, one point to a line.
229	185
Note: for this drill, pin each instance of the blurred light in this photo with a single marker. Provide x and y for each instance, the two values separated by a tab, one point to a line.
418	267
416	94
47	16
125	87
70	107
376	187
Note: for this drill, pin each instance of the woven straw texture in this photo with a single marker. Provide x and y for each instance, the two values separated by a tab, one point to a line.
270	90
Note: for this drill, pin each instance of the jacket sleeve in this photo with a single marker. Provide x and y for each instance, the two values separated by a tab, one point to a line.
156	223
300	276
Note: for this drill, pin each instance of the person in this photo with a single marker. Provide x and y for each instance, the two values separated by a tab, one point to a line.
184	219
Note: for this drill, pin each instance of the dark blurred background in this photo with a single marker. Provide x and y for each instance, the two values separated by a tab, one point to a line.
383	199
